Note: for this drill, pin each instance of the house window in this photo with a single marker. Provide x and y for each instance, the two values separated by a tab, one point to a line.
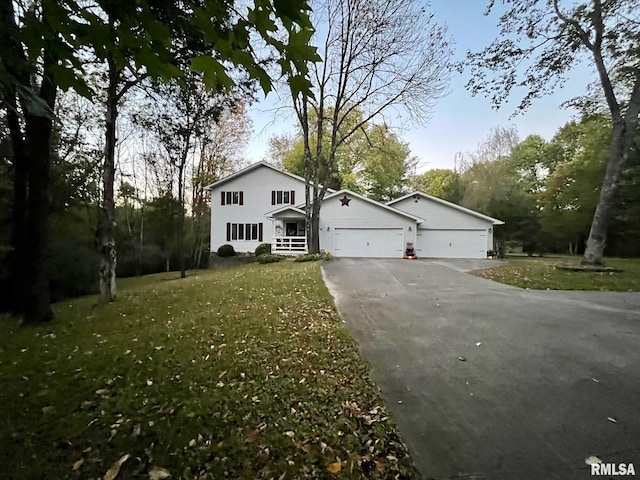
244	231
231	198
283	197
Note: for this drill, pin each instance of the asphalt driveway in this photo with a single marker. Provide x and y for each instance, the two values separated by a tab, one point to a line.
491	381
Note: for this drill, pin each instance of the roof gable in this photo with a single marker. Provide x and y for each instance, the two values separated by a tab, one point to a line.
286	208
251	168
445	203
373	202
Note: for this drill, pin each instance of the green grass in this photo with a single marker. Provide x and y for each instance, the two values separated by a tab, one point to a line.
241	373
540	273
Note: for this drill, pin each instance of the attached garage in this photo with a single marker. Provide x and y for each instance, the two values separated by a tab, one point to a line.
448	230
432	243
369	242
355	226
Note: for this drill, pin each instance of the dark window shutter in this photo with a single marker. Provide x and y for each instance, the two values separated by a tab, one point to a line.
260	232
293	197
222	197
228	232
273	197
241	198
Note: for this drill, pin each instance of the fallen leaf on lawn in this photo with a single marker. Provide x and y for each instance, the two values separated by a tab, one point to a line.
220	384
192	442
78	464
592	460
102	391
289	434
149	382
335	467
158	473
251	434
115	468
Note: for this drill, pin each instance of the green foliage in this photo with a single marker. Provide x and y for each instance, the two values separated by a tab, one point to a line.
269	258
313	257
373	161
572	187
195	376
439	182
113	30
226	250
262	249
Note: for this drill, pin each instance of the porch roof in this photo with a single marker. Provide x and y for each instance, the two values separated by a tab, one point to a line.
283	211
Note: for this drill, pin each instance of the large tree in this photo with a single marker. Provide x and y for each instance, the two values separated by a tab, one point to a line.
378	55
43	46
539	44
373	160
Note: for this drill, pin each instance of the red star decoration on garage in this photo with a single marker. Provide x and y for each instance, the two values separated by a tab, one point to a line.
345	200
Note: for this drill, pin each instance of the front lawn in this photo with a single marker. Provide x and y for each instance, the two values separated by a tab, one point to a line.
242	373
540	273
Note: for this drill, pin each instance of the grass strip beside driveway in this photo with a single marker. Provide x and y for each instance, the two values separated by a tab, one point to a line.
242	373
540	273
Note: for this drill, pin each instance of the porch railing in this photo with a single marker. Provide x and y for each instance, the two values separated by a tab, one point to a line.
289	245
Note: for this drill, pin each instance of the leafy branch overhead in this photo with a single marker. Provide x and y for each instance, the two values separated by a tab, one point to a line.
251	38
541	42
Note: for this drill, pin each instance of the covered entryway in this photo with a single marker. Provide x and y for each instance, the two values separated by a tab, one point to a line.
369	242
451	243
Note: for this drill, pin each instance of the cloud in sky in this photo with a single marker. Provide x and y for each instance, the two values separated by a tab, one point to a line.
459	121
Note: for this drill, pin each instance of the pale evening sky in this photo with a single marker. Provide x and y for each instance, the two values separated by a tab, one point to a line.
459	121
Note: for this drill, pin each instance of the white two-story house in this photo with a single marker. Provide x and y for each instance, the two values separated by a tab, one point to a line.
263	204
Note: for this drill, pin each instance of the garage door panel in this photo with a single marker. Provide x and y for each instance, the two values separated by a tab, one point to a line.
369	242
452	243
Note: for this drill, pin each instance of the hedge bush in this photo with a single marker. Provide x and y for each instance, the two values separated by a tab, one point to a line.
262	249
268	258
313	257
226	250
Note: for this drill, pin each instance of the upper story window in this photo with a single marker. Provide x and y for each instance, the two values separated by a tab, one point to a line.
283	197
231	198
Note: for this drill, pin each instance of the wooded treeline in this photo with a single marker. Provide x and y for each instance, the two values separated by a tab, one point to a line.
195	59
545	191
148	213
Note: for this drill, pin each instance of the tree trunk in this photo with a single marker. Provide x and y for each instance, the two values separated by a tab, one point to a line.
140	243
618	155
108	254
38	141
183	160
314	244
19	209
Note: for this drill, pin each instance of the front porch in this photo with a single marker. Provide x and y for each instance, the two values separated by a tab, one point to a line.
289	245
288	231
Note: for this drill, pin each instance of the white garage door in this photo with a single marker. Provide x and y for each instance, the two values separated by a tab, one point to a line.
369	242
452	243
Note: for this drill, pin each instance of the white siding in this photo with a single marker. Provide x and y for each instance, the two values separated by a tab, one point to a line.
360	214
257	185
439	216
442	217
